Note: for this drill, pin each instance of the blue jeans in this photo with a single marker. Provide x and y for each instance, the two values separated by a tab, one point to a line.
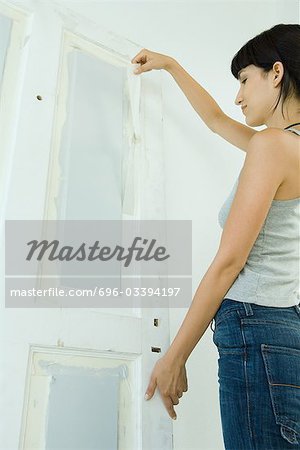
258	375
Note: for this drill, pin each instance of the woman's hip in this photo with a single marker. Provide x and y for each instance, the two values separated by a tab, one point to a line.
241	324
259	374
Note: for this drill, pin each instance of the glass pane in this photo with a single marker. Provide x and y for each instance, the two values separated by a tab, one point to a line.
83	411
79	400
5	29
92	140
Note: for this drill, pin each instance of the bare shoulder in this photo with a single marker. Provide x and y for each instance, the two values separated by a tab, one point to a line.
275	133
269	147
280	150
276	142
269	133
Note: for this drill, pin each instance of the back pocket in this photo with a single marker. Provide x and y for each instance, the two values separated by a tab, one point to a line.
282	365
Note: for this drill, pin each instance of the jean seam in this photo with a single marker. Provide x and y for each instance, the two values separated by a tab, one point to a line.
225	314
246	378
248	321
264	350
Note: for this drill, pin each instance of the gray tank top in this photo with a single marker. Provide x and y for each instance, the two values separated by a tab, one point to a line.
271	275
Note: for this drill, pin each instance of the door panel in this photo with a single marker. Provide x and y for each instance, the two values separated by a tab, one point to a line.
88	400
86	129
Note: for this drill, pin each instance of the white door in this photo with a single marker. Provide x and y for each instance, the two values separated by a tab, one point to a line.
77	128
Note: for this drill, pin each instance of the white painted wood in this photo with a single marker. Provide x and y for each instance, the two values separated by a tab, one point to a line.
31	139
11	93
45	362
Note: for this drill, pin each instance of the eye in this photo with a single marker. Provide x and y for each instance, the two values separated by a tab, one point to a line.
244	81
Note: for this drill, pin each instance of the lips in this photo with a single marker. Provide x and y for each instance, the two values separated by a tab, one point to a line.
243	108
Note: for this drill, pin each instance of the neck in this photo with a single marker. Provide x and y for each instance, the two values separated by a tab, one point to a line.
291	116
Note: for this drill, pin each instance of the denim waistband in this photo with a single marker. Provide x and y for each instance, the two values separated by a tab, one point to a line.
229	304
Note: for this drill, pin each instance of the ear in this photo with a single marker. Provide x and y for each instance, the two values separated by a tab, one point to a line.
277	73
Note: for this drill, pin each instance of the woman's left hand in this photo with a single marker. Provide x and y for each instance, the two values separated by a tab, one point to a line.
171	379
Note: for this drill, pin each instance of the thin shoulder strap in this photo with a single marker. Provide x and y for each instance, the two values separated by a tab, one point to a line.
293	130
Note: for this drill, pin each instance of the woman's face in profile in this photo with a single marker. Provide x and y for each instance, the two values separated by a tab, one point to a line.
257	94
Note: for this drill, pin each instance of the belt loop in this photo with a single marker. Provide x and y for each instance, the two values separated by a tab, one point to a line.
248	309
297	308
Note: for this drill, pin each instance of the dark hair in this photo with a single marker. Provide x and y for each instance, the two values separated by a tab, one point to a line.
279	43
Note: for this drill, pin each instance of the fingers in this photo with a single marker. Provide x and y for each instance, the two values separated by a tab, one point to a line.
142	58
175	399
185	381
144	68
170	388
150	389
169	407
185	388
167	400
139	57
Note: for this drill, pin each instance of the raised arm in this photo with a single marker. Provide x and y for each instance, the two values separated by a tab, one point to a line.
207	108
203	103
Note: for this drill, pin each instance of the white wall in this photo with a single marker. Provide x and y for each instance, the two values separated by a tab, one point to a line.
201	168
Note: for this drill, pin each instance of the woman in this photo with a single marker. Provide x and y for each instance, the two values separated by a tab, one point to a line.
251	289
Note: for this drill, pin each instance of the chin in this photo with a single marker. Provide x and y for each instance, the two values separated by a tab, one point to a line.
254	123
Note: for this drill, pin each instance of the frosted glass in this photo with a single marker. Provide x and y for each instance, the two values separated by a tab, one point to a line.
5	29
92	140
83	410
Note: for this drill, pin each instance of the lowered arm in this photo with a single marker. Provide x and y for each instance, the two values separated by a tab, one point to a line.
263	171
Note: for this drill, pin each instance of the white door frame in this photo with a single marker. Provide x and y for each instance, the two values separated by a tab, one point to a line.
142	335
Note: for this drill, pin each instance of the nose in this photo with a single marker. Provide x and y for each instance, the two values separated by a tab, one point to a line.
238	98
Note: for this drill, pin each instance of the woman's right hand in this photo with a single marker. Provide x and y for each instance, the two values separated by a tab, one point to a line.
151	60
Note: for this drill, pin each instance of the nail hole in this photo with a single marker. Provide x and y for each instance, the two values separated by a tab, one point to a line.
156	349
155	322
39	97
